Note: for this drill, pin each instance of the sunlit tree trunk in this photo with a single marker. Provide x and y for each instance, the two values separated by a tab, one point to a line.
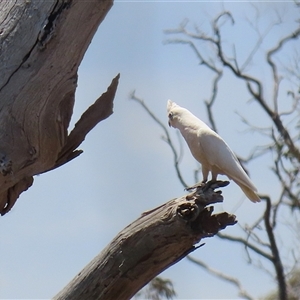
42	44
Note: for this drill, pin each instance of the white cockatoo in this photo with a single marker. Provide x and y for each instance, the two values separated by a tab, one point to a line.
210	149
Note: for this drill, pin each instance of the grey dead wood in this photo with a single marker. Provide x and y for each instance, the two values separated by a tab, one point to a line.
156	240
41	46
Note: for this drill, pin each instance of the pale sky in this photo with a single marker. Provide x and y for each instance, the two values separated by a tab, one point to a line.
70	214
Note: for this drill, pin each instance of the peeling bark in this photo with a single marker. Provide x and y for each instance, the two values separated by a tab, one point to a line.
41	46
155	241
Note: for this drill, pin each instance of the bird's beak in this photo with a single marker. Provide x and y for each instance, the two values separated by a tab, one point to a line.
169	123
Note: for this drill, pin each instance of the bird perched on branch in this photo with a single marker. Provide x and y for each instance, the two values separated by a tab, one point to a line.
209	149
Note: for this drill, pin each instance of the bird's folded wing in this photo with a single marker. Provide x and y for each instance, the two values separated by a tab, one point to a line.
219	154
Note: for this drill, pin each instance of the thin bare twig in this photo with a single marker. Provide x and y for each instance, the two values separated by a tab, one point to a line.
246	244
256	48
258	93
209	103
166	138
242	292
273	66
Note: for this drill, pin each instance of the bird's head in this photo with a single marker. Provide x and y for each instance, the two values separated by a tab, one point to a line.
174	112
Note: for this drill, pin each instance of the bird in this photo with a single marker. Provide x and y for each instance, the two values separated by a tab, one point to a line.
209	149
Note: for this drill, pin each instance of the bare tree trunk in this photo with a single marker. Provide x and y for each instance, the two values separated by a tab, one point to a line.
158	239
42	44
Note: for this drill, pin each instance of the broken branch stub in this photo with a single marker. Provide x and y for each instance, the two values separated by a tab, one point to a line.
158	239
99	111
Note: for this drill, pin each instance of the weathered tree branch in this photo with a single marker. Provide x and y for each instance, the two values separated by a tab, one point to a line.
155	241
282	287
258	94
42	44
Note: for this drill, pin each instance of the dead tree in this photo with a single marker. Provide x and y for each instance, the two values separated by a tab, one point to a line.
42	45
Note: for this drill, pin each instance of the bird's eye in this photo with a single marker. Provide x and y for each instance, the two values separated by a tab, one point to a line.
170	116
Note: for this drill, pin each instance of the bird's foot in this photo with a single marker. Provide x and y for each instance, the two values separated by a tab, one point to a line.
207	184
197	185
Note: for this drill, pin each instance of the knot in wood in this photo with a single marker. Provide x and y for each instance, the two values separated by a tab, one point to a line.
5	165
189	211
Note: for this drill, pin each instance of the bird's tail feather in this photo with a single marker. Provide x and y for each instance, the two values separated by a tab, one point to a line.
252	195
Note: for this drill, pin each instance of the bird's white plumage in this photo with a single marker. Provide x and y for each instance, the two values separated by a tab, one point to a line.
210	149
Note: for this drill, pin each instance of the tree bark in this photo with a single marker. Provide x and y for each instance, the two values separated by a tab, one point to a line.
158	239
41	46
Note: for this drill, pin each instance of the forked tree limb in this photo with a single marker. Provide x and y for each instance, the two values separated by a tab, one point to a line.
155	241
41	46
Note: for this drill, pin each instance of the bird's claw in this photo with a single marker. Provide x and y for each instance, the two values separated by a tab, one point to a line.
209	184
195	186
